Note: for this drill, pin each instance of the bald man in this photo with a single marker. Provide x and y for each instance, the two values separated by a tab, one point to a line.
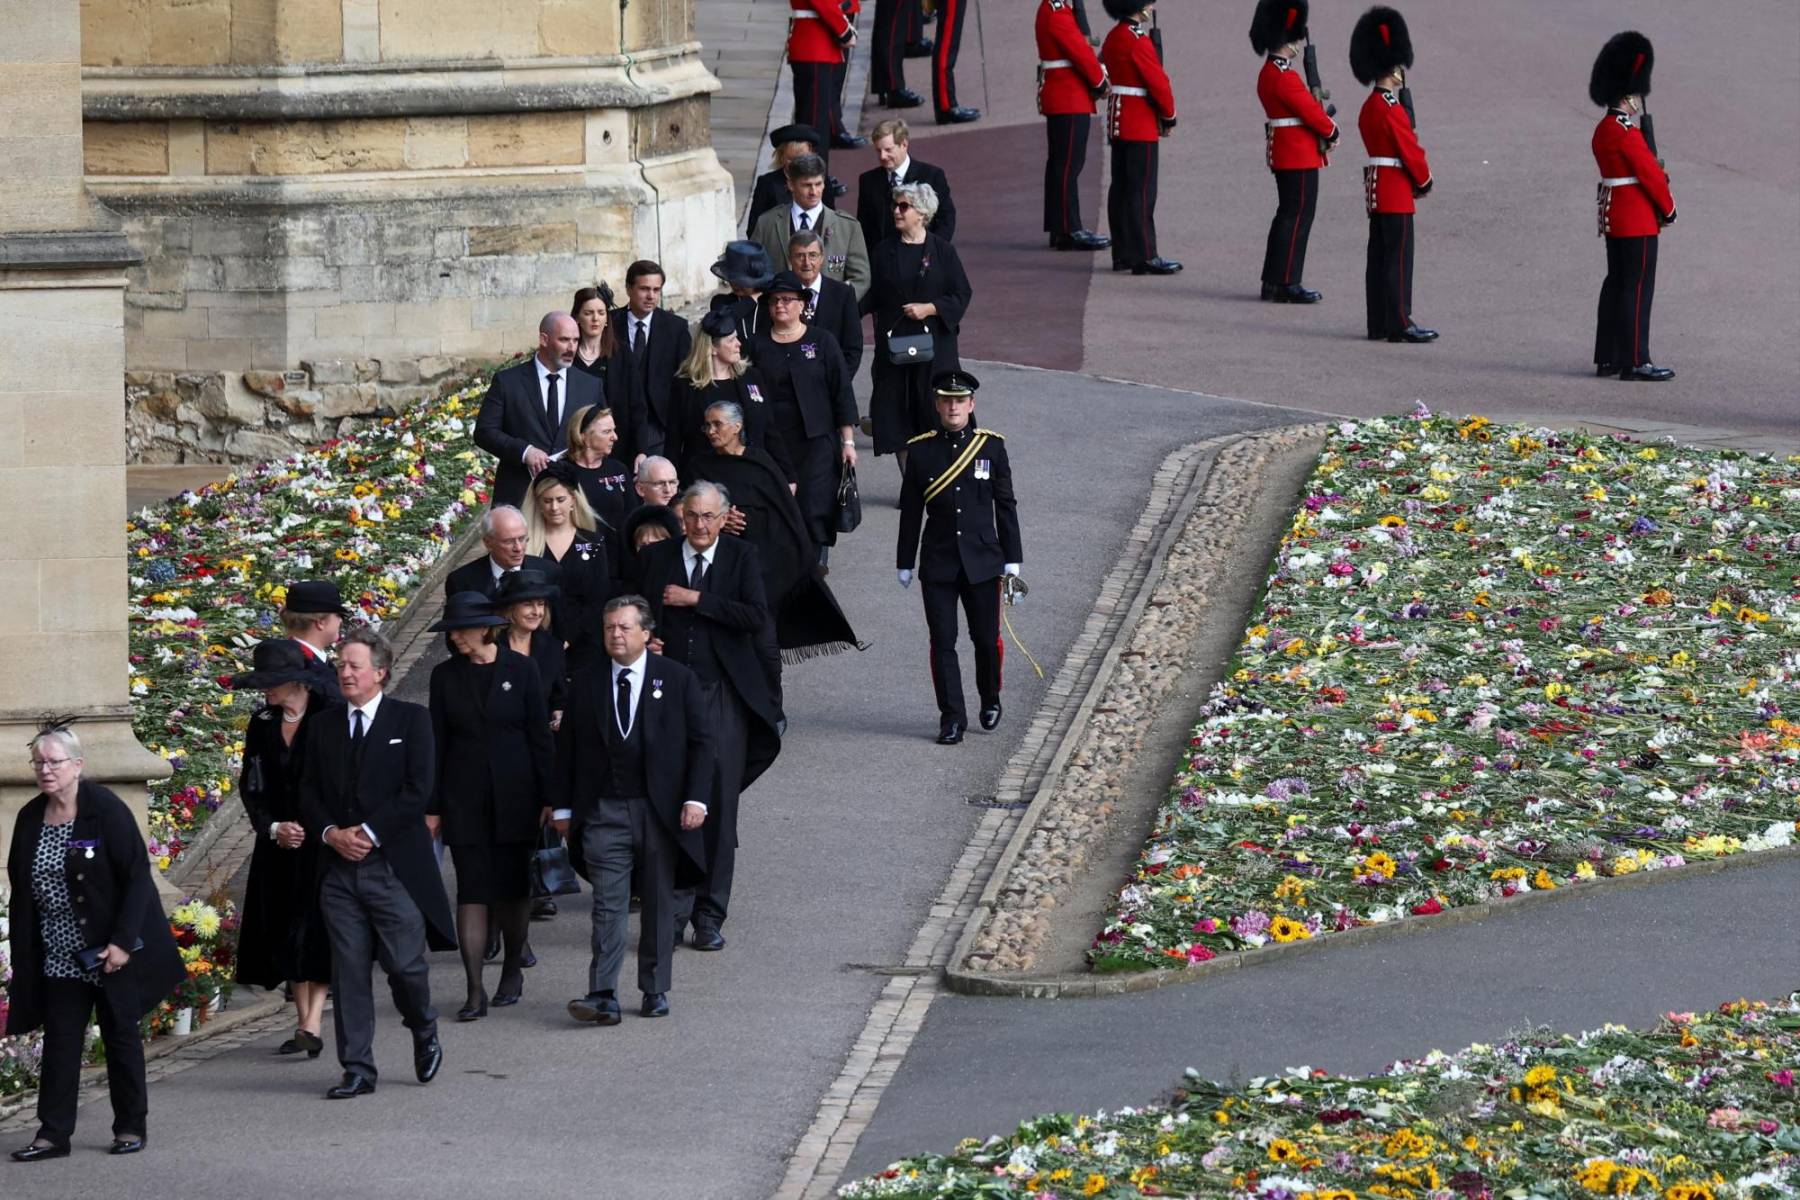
526	409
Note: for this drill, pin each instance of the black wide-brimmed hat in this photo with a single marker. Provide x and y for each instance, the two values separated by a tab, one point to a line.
1276	23
1379	43
466	610
795	133
1622	69
315	596
955	383
786	281
274	661
719	322
745	264
516	587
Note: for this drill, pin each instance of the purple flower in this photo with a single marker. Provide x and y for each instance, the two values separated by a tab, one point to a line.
1287	788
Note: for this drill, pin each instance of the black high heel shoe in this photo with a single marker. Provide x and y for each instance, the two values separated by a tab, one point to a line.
474	1012
302	1040
505	996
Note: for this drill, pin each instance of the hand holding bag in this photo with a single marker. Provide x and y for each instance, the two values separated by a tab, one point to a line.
849	502
551	874
910	349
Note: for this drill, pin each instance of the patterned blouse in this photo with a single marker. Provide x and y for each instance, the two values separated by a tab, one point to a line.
56	916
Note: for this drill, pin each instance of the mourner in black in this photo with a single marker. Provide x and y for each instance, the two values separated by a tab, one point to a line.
771	189
634	768
645	527
654	342
712	615
363	788
895	166
282	940
313	615
606	483
919	289
814	408
716	370
526	599
505	533
89	942
522	415
565	529
959	486
829	303
597	353
744	266
490	725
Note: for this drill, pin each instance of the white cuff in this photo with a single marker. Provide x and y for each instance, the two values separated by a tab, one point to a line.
273	826
561	814
696	804
373	840
1012	568
325	834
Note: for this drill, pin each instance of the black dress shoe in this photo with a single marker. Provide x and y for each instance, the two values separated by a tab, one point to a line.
656	1004
708	937
1646	373
904	98
1602	370
542	910
35	1153
291	1046
428	1056
990	715
526	957
127	1144
962	114
602	1008
1081	239
849	141
1157	266
475	1009
1289	293
508	993
921	48
950	733
1414	333
311	1043
354	1083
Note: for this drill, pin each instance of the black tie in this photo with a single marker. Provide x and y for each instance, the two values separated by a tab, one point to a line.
637	338
805	221
356	737
896	179
698	573
551	407
624	703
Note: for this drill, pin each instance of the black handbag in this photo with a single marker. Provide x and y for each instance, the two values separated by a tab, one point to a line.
551	874
849	502
910	349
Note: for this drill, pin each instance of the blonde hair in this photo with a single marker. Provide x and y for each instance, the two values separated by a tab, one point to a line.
572	436
893	127
584	515
696	368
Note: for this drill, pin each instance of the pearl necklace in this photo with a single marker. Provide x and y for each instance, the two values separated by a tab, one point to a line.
287	720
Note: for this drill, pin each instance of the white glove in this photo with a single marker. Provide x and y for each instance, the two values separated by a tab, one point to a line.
1012	568
905	578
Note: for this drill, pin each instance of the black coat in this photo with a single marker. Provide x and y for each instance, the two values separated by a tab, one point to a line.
624	398
740	623
388	795
900	398
678	749
478	576
114	900
688	441
552	664
491	729
282	937
512	418
837	313
653	375
874	201
812	391
972	525
771	190
321	673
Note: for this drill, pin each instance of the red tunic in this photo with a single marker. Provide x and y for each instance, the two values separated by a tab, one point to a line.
1387	133
1636	209
815	35
1065	89
1285	97
1131	63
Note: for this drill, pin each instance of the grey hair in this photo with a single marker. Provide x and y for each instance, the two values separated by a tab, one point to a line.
651	460
703	486
381	651
731	408
921	196
487	518
804	237
645	620
70	742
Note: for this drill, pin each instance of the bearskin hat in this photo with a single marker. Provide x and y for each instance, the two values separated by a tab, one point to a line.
1378	44
1623	68
1123	10
1277	22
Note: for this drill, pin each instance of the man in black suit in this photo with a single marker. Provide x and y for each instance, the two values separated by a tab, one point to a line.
706	595
830	305
634	765
875	187
522	416
363	791
958	482
771	190
503	533
654	342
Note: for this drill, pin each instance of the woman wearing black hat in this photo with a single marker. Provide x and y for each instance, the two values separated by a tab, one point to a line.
648	524
490	723
282	938
810	398
715	370
561	526
523	602
745	269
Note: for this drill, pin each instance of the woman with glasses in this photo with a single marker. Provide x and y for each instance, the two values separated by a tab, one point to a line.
918	286
87	935
715	370
810	399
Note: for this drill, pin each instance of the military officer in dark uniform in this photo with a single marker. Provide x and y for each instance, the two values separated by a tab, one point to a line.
958	482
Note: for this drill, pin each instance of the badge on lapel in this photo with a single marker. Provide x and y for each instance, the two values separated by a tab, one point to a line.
984	468
809	349
86	848
506	684
656	689
755	392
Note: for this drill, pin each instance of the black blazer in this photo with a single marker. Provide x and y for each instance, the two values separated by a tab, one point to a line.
494	759
477	576
653	375
512	418
389	795
837	314
678	748
772	190
742	627
114	901
818	385
874	200
971	526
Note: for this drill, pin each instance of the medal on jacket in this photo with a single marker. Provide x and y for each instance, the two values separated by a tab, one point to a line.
983	468
656	689
809	349
506	684
755	392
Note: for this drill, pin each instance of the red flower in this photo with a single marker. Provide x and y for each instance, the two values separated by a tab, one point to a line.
1431	907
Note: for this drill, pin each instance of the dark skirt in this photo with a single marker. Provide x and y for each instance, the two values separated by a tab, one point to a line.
901	403
282	938
492	873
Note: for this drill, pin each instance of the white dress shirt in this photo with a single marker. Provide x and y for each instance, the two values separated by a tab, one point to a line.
368	722
633	323
813	215
900	171
689	554
499	570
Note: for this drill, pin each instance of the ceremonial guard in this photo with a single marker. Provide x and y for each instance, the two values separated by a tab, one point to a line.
1635	204
819	35
958	483
1395	175
1140	113
1070	79
950	15
1298	135
887	57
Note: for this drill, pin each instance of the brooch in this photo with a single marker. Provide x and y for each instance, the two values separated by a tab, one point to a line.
656	689
810	349
584	556
755	392
506	685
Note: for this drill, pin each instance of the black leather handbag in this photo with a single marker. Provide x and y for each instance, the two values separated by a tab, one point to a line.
849	502
910	349
551	874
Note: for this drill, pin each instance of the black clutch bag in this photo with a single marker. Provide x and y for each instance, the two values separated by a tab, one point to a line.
910	349
849	502
89	959
551	874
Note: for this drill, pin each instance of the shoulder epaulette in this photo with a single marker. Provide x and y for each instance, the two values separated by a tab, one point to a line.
990	433
1623	119
919	437
1390	98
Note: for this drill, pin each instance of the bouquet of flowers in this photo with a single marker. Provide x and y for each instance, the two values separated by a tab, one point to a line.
206	935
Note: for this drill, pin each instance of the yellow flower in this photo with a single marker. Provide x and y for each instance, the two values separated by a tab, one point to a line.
1281	1150
1625	864
1542	881
1380	863
1688	1189
1284	929
1391	521
1095	1184
1539	1075
1584	870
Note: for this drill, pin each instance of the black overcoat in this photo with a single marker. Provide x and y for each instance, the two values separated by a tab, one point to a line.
495	758
900	398
653	373
282	937
687	440
875	195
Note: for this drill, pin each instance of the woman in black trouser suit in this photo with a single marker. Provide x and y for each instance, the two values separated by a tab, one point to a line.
80	877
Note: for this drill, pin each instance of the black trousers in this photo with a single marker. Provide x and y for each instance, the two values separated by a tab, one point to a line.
1622	332
815	88
943	57
67	1005
887	53
1131	202
839	73
915	22
709	903
1296	196
981	607
372	918
1388	276
1067	134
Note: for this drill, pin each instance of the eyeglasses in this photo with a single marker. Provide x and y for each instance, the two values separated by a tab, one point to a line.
902	206
662	483
41	765
511	541
702	518
784	298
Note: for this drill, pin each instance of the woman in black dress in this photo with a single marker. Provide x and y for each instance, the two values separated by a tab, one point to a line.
605	482
560	526
715	370
597	352
523	602
810	398
917	285
491	727
282	938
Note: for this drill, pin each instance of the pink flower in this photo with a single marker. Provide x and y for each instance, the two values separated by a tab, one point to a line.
1199	954
1767	1127
1782	1078
1208	925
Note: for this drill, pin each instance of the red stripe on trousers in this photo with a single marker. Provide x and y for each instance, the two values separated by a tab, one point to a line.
999	637
941	59
1287	272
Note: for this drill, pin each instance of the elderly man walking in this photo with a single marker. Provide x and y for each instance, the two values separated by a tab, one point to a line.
523	414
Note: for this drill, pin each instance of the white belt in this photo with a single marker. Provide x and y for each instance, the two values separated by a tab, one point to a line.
798	15
1050	64
1386	162
1621	181
1120	90
1284	122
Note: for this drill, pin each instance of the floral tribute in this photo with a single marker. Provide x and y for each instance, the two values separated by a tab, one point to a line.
1487	661
206	935
1703	1107
209	569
